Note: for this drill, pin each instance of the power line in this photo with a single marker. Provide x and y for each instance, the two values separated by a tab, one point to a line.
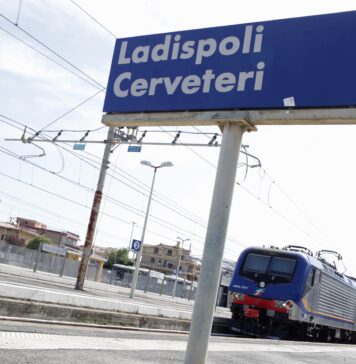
95	20
75	202
252	194
297	207
132	209
154	199
68	112
49	58
97	82
51	50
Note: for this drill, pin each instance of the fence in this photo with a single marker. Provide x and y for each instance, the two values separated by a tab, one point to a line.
52	263
123	277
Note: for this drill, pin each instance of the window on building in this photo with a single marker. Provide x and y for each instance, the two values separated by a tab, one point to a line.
169	252
155	250
170	265
152	260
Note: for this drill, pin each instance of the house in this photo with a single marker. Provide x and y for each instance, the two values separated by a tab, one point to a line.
58	237
12	234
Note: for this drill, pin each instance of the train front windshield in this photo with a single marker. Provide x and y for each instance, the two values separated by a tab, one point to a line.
280	268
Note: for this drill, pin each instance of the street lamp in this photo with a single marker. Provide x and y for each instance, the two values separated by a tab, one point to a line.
139	253
177	272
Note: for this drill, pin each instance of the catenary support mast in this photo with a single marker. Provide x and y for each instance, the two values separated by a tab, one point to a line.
87	250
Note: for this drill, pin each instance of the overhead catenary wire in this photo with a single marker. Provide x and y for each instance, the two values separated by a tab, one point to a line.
209	163
68	112
277	212
125	206
51	50
289	221
212	165
51	59
76	202
34	38
94	19
181	211
18	12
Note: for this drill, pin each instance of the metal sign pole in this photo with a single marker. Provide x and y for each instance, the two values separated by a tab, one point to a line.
214	246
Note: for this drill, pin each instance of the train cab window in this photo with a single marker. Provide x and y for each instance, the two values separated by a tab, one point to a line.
282	266
256	263
270	268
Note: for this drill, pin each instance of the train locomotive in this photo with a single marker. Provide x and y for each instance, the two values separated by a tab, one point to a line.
289	293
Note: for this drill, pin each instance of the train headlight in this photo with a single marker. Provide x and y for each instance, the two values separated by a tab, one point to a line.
239	296
288	304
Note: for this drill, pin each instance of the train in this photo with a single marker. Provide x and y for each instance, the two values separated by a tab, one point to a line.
290	293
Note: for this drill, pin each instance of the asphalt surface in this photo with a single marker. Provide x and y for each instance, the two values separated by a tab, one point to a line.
22	343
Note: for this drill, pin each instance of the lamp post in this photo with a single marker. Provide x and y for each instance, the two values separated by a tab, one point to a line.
179	258
139	253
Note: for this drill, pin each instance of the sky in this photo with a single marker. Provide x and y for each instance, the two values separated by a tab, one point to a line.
55	65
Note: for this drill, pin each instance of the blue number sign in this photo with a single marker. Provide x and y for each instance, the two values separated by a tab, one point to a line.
136	245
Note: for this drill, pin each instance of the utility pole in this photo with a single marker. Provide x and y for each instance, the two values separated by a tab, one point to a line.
87	249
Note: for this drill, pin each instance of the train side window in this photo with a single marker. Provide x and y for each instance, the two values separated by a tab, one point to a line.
311	278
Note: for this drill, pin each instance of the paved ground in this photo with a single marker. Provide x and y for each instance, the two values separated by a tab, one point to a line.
43	287
45	296
29	343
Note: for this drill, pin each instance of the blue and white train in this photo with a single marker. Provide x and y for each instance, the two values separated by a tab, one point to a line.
289	293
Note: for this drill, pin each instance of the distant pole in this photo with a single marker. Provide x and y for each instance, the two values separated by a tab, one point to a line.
132	230
177	272
179	259
214	246
139	253
87	249
186	273
37	257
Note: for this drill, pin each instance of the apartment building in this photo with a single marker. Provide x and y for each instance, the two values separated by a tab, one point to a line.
167	259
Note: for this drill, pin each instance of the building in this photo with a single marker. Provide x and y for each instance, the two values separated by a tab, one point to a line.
11	234
58	237
166	259
24	230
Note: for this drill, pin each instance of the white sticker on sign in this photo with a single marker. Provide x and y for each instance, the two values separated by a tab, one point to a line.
289	102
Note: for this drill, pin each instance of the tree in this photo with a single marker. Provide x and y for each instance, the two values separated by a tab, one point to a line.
122	257
34	243
118	256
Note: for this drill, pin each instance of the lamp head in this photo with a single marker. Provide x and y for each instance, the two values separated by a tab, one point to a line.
166	164
146	163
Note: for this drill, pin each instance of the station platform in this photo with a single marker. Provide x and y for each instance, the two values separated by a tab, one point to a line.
44	296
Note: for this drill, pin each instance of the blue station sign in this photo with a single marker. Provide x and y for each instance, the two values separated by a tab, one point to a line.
301	62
